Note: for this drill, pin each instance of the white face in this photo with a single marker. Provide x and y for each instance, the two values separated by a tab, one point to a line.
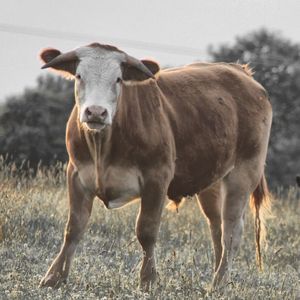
97	83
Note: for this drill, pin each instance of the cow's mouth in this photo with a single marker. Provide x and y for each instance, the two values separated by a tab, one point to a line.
95	125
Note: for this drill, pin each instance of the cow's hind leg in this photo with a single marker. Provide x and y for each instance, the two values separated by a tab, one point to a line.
79	212
210	201
238	186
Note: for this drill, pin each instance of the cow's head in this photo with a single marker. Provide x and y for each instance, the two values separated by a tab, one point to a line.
99	71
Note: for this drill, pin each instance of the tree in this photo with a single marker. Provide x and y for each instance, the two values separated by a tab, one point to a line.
32	124
276	62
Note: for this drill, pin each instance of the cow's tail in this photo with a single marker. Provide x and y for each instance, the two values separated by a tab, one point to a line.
260	203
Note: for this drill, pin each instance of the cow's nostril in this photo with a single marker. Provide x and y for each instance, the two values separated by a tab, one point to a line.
88	112
104	114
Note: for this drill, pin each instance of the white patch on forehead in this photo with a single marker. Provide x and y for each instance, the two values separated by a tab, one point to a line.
97	62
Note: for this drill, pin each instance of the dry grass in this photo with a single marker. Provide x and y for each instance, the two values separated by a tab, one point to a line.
32	217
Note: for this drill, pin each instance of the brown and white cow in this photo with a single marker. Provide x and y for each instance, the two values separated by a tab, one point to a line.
140	132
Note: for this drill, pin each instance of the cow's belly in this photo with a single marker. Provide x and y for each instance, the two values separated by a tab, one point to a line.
117	185
188	182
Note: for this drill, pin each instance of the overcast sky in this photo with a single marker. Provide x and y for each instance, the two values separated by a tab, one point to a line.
172	32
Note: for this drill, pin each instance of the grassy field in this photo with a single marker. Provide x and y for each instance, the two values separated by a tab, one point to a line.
106	265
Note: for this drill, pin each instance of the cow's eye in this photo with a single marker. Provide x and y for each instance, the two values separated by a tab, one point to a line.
78	76
119	80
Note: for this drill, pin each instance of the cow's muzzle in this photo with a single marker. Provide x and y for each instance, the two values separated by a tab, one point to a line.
95	117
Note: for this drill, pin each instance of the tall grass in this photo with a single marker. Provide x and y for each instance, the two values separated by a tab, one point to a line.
33	211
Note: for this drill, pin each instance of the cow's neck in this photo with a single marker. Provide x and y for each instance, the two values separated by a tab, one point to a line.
138	116
96	142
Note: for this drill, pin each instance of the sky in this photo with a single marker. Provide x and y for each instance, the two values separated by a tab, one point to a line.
172	32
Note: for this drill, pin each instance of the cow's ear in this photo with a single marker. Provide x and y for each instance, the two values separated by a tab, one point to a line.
134	72
63	63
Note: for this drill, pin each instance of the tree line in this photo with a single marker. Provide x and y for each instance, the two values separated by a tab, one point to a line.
32	125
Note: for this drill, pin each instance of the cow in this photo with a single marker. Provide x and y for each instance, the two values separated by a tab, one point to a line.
137	131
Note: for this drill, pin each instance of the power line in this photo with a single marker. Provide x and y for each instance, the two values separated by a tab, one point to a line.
74	36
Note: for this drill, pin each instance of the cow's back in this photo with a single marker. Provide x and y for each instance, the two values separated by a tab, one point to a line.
219	116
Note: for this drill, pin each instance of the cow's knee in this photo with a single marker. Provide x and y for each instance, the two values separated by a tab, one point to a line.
146	237
73	231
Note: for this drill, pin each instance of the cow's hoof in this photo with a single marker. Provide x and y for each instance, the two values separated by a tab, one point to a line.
144	287
147	285
220	282
52	280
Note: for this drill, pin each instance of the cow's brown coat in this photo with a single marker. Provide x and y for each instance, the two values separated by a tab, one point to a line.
201	129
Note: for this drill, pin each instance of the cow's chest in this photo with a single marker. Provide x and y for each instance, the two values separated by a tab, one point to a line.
115	186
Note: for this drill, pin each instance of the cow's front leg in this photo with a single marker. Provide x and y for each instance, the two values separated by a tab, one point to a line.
147	227
80	206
